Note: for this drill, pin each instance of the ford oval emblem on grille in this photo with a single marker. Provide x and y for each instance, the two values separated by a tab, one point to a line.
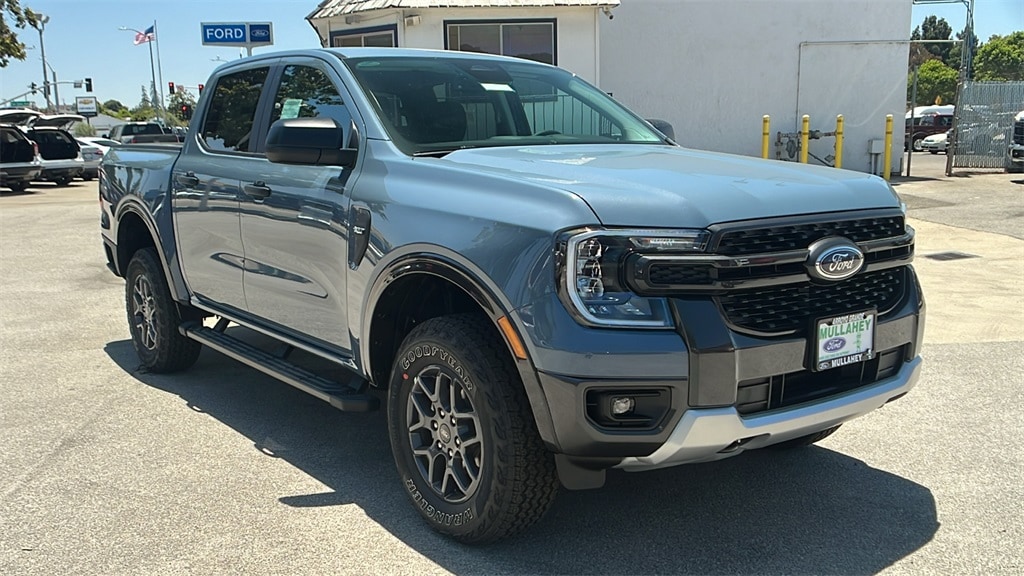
834	259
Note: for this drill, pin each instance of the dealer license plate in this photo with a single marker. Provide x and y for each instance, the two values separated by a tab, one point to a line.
843	340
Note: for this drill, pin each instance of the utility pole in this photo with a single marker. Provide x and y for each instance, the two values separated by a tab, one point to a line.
43	19
56	95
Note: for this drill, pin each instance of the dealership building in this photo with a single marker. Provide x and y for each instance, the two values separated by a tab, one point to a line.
712	68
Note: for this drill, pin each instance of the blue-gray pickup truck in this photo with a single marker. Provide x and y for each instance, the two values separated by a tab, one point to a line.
537	283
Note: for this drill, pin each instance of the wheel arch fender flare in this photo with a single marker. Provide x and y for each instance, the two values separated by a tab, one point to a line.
459	271
135	207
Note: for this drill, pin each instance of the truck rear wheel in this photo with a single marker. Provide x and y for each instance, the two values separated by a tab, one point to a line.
153	317
462	433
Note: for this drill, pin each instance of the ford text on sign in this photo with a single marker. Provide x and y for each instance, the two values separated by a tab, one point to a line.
232	34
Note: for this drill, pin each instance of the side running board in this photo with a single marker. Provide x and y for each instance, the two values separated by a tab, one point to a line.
338	395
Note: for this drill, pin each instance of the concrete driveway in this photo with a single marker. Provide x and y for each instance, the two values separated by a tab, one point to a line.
108	470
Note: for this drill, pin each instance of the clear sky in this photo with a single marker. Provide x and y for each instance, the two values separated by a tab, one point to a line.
82	39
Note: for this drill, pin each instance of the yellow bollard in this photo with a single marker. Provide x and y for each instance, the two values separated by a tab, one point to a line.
887	163
805	138
839	141
766	123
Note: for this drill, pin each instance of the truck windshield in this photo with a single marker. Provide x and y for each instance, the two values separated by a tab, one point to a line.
433	105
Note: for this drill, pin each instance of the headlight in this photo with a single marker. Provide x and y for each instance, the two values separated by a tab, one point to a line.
591	274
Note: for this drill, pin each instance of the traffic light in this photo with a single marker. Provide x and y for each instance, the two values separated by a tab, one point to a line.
34	88
170	87
186	111
200	89
88	84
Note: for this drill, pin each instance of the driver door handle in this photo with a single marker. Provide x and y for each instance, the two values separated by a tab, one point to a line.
257	190
187	180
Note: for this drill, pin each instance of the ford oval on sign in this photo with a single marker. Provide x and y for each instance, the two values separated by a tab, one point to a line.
834	345
260	33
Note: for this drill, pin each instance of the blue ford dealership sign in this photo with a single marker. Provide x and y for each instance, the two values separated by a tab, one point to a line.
237	33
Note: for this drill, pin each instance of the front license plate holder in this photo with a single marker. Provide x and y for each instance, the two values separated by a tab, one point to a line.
843	340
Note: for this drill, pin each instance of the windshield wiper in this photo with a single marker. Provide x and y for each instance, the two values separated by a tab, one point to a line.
434	153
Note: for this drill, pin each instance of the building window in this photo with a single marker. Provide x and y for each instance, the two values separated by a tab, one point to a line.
529	39
378	37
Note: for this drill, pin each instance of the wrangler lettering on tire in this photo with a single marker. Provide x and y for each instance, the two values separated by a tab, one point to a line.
462	434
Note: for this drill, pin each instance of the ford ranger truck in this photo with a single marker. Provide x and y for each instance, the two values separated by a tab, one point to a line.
533	283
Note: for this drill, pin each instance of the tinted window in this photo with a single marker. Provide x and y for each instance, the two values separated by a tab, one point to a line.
228	123
307	92
438	104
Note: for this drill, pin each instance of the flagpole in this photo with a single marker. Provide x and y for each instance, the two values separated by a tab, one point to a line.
152	72
159	67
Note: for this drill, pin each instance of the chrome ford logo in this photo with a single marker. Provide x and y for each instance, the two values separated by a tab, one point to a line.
834	259
834	345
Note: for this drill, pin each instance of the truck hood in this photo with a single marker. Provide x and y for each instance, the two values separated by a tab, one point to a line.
670	187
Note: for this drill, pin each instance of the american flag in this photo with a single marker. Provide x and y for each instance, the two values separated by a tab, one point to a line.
143	37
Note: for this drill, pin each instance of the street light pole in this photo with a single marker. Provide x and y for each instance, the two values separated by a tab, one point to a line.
41	21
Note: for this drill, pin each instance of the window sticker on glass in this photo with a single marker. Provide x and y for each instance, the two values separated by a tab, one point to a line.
290	108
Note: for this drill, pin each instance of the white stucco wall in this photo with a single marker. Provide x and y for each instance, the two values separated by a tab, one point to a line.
713	68
576	30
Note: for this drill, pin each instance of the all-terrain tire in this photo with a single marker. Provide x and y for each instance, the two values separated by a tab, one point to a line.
454	380
806	440
17	186
153	317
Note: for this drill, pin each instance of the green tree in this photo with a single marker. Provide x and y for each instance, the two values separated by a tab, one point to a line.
83	129
954	56
114	106
145	102
932	28
934	79
1001	58
10	46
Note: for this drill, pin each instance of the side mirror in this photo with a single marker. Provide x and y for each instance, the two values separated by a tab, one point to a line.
309	141
105	136
664	127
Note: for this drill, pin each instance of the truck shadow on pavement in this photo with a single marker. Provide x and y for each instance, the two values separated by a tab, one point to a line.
804	511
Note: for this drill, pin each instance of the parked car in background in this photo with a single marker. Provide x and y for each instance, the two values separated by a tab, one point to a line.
1015	150
140	133
936	143
919	128
60	154
91	156
19	159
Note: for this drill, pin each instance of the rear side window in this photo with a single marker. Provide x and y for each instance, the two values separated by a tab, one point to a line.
227	126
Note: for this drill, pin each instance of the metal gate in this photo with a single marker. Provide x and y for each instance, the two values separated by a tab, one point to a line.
984	123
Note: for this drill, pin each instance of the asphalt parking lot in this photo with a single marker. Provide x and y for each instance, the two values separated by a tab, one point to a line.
221	470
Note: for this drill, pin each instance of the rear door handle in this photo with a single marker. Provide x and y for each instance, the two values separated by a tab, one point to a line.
188	180
257	190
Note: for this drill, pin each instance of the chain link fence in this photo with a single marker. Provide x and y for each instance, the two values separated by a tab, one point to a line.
984	123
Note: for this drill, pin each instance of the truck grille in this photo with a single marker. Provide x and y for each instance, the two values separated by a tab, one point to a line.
791	308
781	238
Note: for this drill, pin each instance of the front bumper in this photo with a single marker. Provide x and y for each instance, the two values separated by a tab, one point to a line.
708	434
721	391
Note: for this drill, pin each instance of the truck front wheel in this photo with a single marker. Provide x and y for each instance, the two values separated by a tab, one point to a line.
153	317
462	433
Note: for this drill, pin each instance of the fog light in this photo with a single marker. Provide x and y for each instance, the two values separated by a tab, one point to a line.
622	405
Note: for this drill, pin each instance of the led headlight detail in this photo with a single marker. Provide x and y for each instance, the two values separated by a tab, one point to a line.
593	267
